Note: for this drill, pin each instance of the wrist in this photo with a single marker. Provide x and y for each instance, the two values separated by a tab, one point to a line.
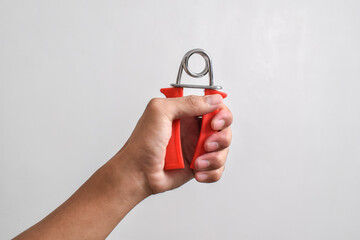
128	181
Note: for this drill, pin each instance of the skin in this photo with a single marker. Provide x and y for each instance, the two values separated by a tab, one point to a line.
137	170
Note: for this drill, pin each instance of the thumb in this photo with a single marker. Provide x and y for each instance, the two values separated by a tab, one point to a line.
192	105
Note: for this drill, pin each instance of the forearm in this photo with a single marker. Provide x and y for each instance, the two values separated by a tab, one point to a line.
94	210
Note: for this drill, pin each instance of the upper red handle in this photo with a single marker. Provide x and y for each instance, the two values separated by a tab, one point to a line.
174	158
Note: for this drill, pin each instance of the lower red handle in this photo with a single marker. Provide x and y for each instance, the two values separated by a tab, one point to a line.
206	129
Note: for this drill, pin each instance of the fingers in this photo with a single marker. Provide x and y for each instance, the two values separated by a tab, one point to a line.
209	176
222	119
188	106
210	166
219	140
221	122
211	161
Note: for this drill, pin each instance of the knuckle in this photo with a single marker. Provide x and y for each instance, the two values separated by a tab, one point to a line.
227	115
219	160
230	118
217	175
193	100
226	139
155	104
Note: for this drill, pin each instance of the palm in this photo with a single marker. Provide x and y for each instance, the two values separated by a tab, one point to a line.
190	130
162	180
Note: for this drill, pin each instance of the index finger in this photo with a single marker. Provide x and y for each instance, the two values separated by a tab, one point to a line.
222	119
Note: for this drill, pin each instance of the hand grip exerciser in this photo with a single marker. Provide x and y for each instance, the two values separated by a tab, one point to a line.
174	157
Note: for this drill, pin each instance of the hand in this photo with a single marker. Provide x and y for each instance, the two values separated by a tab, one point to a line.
137	170
146	147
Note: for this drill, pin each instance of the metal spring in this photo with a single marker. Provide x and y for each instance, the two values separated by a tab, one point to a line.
207	70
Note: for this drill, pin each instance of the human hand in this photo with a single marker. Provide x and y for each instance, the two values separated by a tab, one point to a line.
137	170
146	148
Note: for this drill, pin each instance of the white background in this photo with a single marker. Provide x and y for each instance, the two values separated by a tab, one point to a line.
76	75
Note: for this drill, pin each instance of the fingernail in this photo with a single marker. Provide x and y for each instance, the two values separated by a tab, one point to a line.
212	146
202	164
218	125
201	177
215	99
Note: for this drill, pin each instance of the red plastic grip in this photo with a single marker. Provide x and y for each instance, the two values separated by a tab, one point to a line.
206	129
174	158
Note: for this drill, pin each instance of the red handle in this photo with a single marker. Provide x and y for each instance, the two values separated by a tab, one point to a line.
174	158
206	129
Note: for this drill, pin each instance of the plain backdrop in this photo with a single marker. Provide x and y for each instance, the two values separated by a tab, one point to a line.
75	76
